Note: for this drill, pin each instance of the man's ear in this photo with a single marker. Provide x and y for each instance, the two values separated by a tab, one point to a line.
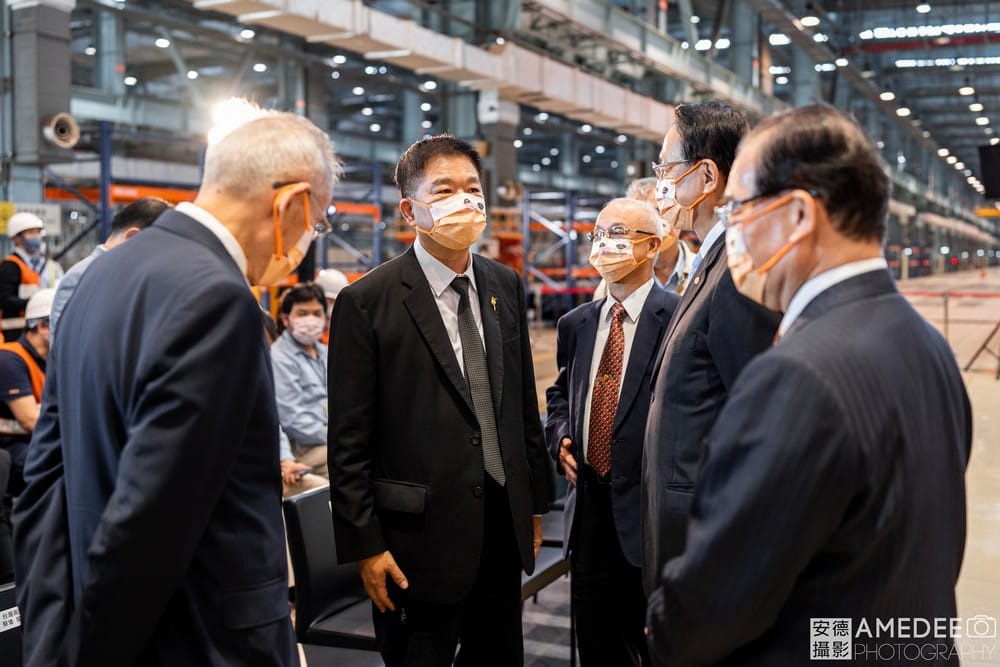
406	210
712	177
129	233
654	247
804	210
287	195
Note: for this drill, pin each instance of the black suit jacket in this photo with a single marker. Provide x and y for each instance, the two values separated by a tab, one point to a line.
567	398
833	488
406	463
714	333
150	532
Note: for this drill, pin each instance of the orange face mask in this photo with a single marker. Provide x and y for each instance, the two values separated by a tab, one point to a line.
281	263
678	216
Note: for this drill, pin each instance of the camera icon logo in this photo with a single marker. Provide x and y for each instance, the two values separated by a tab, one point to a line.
981	626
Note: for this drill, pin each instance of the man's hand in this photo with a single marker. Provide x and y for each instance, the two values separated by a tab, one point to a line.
536	523
373	571
292	471
567	461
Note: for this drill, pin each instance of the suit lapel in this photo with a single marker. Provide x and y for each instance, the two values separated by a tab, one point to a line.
643	346
486	285
423	309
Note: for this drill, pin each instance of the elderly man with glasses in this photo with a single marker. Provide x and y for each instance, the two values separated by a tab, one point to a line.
833	490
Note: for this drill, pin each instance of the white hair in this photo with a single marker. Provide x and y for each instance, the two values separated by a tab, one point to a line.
273	147
651	215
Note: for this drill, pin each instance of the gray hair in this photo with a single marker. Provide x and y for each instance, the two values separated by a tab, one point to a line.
653	219
274	147
643	189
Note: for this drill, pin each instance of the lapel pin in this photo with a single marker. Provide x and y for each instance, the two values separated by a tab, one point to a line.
493	302
697	280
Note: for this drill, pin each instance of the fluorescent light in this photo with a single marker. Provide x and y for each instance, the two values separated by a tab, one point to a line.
130	81
841	62
518	143
982	120
586	159
334	74
429	84
779	39
536	167
367	111
941	30
959	166
966	90
976	107
260	67
887	96
809	21
943	152
375	127
703	45
162	42
951	159
546	161
527	131
586	127
614	164
192	74
541	116
781	80
247	33
695	19
923	8
599	150
722	43
426	124
553	152
821	38
903	112
425	106
779	69
621	138
825	67
339	59
371	70
90	51
357	90
994	141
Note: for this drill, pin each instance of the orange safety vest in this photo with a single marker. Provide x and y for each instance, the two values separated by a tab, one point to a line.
28	275
36	373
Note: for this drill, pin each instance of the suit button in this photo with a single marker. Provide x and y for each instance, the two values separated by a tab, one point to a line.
475	440
478	491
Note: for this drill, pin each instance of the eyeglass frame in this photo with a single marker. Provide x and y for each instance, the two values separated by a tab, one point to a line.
660	169
727	213
322	228
601	234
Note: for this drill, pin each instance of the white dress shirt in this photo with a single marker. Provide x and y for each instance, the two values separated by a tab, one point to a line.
212	224
824	281
440	276
714	234
633	304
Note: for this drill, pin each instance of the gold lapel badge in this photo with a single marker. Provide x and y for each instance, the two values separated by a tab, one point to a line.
493	302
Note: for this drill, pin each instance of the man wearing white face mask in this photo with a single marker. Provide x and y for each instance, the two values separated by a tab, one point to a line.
596	419
150	532
300	362
438	468
833	486
713	334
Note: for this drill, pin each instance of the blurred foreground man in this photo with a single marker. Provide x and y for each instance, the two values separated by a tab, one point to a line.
438	467
150	532
596	418
834	482
713	334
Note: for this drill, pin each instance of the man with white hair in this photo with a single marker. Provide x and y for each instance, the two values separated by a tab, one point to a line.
154	536
24	271
597	412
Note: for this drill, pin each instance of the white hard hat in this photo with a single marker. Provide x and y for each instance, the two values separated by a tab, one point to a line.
331	281
23	221
39	305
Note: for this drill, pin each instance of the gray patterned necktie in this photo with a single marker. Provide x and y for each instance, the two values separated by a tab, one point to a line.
478	376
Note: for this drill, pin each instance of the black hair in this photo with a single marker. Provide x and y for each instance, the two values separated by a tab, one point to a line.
301	293
410	167
820	148
711	131
141	213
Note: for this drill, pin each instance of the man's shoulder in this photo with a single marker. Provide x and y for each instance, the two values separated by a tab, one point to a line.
12	366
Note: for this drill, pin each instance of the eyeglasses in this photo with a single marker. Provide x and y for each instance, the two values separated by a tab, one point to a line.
728	213
661	169
320	227
615	233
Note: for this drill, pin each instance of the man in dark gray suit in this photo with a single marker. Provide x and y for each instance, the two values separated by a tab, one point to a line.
150	532
714	332
834	482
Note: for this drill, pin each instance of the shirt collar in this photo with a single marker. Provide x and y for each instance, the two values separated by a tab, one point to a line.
714	234
438	275
633	303
28	259
680	269
824	281
213	225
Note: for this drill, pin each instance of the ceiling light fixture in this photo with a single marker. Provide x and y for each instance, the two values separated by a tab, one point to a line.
966	90
976	107
943	152
923	8
903	112
982	120
887	96
162	42
247	33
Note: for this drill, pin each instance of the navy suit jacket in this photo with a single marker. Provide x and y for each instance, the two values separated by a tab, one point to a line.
714	333
577	331
150	532
405	453
833	488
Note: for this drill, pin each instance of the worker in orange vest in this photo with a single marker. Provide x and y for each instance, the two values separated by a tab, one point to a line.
22	376
24	271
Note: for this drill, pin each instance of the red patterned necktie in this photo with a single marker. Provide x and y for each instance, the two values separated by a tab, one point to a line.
605	401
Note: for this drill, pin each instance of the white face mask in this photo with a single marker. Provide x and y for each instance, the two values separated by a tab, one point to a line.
458	220
614	258
306	330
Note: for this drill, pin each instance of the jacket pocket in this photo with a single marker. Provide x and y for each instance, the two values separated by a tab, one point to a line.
255	606
400	496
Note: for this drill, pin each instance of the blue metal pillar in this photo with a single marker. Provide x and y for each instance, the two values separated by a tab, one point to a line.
104	134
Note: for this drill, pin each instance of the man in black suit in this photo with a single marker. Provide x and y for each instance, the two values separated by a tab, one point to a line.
596	418
150	532
834	482
714	332
438	467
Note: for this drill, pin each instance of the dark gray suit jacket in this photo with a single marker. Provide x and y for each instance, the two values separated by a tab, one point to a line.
405	455
567	399
714	333
833	488
150	532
